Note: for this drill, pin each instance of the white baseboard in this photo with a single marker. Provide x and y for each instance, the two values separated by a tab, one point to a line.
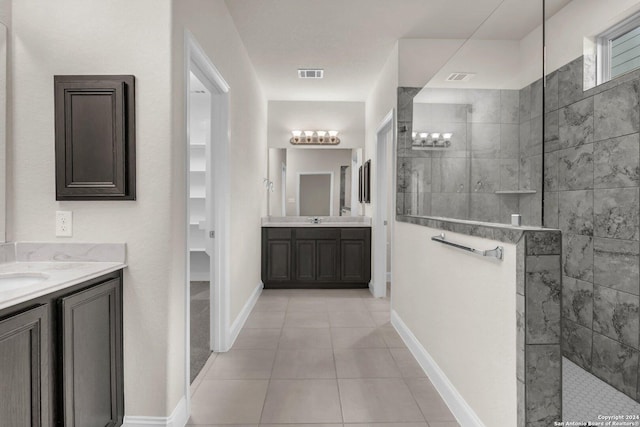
237	324
178	418
459	408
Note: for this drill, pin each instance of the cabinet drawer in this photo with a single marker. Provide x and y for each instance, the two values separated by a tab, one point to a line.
317	233
279	233
354	233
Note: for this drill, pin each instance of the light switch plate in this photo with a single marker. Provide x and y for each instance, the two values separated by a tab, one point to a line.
64	224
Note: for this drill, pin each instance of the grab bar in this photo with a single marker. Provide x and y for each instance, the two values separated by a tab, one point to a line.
495	253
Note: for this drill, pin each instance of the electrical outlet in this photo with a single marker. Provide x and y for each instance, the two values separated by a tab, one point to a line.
64	224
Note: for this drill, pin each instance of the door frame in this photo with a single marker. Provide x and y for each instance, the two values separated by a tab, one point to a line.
330	192
387	126
283	188
218	194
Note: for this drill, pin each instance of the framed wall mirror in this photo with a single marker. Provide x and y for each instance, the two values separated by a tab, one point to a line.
313	182
366	182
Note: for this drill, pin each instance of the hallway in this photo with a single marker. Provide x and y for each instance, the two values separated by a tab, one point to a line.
321	357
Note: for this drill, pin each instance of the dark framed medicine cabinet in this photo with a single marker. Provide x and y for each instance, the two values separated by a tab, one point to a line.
95	137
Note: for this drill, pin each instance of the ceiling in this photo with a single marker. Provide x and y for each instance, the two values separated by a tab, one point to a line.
352	39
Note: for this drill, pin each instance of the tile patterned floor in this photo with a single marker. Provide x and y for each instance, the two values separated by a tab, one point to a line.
200	348
584	396
317	358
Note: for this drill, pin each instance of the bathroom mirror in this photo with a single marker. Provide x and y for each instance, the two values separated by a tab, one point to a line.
312	182
471	147
3	130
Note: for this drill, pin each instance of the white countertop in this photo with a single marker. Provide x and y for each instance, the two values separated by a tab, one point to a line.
60	275
63	265
325	221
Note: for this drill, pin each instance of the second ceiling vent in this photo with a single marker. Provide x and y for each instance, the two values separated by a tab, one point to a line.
460	77
310	73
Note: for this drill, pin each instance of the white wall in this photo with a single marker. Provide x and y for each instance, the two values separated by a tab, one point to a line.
277	157
5	12
211	24
465	318
382	100
96	37
314	160
345	117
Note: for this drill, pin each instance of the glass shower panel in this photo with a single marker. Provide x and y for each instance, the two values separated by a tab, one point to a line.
472	145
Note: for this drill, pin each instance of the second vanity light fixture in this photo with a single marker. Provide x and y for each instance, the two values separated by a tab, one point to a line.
431	140
314	137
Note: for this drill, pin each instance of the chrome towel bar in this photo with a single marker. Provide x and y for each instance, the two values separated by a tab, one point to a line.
494	253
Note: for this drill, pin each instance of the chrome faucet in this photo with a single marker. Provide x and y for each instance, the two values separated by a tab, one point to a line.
314	220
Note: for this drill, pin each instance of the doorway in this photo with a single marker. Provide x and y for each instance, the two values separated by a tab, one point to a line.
198	243
315	193
207	209
384	206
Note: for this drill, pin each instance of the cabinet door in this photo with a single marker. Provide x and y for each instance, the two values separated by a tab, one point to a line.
353	261
278	260
92	356
305	260
24	369
327	260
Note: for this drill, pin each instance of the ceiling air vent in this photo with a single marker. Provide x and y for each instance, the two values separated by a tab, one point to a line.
306	73
460	77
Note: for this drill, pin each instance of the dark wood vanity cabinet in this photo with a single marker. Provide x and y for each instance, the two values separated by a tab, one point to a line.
24	369
61	358
92	356
355	249
316	257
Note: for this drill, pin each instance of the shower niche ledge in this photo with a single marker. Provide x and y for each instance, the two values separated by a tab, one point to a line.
509	192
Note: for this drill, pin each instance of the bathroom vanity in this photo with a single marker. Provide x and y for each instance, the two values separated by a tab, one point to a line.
61	356
330	253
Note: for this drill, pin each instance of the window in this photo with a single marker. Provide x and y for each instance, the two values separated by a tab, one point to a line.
619	49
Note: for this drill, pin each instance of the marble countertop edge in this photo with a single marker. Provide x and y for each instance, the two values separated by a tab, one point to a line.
60	275
506	233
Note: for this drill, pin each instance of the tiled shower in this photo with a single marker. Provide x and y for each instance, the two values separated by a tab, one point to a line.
493	165
592	155
585	145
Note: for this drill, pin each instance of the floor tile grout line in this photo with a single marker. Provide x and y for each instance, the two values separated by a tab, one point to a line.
264	402
335	366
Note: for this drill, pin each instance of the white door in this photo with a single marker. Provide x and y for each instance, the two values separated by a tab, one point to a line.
382	214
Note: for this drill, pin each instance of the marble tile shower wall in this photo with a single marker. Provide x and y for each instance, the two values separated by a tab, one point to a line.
496	145
592	165
530	166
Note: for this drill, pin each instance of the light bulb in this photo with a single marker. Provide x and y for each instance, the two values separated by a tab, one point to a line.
321	135
435	135
296	133
333	133
424	135
308	134
447	136
414	134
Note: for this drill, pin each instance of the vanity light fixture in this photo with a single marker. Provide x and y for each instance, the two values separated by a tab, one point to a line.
296	136
429	140
318	137
308	134
333	137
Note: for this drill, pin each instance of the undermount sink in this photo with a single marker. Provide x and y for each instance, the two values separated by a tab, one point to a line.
11	281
